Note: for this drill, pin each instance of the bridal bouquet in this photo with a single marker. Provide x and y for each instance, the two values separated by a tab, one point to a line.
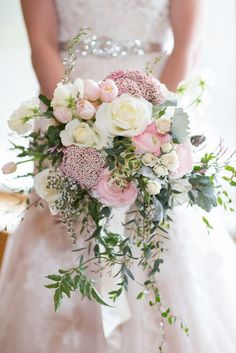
123	143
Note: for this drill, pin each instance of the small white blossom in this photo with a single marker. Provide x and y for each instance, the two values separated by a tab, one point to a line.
149	159
153	187
170	160
160	170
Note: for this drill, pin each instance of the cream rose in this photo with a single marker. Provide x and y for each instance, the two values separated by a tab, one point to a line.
170	160
149	159
49	195
21	120
82	134
64	92
160	170
153	187
125	116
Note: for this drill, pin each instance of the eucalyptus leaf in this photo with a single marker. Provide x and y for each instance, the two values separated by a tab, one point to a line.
180	126
159	212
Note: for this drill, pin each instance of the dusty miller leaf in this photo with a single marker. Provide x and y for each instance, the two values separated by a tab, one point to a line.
180	125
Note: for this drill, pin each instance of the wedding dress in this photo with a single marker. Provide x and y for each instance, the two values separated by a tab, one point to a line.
197	278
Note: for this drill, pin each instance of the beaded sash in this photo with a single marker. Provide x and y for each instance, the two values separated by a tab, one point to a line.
106	47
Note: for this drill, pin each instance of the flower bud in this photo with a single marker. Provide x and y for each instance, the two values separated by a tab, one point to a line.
109	90
85	109
91	90
9	168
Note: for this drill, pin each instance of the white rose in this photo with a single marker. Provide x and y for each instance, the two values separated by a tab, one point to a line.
49	195
64	92
160	170
149	159
170	160
166	147
81	134
153	187
21	120
124	116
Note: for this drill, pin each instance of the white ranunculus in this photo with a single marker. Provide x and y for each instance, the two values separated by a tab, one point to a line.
160	170
170	160
83	135
153	187
49	195
124	116
149	159
21	120
64	92
166	147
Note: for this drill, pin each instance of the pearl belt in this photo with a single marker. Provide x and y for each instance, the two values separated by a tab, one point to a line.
106	47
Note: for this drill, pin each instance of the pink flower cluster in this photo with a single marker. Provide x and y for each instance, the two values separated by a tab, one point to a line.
84	165
138	84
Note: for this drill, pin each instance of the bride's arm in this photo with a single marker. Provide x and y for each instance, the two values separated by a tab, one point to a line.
185	17
41	23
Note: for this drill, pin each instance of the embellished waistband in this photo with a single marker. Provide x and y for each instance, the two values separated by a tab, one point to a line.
107	47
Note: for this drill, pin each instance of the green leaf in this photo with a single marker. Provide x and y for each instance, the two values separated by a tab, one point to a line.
45	100
129	273
140	295
106	212
54	277
53	285
97	297
156	266
205	220
180	125
58	298
65	288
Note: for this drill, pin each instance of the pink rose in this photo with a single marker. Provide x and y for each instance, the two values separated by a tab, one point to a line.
9	168
91	90
85	109
185	156
109	90
150	140
111	195
62	114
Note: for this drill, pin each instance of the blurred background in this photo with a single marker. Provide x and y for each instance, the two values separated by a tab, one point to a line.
18	81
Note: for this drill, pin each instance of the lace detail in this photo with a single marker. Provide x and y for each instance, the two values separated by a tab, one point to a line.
147	20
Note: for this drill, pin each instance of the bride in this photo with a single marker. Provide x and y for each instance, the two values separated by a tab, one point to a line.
198	277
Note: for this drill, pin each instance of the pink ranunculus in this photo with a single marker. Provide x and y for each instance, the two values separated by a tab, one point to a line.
150	140
85	109
111	195
91	90
62	114
109	90
185	155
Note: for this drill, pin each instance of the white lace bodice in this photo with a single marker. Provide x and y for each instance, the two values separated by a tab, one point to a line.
147	20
